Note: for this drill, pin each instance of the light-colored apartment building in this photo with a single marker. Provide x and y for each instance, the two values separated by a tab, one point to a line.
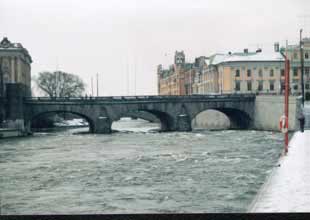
259	72
244	72
294	55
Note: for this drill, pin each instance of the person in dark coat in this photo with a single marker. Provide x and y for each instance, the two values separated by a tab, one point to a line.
301	119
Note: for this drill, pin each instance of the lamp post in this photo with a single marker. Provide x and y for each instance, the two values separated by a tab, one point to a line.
1	82
1	95
302	68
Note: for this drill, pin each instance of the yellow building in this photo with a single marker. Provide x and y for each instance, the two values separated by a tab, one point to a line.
294	55
258	72
245	72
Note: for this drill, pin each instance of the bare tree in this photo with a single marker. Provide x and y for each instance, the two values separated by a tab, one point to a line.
60	84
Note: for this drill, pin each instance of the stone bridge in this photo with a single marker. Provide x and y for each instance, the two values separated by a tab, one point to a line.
175	113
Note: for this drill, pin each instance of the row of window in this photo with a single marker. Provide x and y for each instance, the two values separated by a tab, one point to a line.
260	86
260	73
271	72
306	55
307	71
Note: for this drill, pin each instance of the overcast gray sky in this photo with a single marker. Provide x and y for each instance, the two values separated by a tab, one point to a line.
118	38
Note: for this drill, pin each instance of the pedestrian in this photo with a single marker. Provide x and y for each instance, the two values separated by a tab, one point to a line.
301	119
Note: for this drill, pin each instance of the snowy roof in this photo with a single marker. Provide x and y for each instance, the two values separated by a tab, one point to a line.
246	57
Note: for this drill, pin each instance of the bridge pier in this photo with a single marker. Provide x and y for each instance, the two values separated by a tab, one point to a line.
183	123
102	125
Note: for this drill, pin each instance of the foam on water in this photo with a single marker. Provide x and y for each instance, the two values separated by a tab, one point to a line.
209	171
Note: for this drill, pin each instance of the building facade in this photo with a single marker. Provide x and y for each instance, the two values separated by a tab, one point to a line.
249	72
15	65
15	68
256	72
294	55
179	78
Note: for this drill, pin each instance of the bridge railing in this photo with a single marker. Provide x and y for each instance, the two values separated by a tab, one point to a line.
141	97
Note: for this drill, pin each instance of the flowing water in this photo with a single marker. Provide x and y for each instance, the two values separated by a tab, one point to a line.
135	172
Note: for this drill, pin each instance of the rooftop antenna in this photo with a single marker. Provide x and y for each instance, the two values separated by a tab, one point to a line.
135	72
127	76
97	85
102	86
92	89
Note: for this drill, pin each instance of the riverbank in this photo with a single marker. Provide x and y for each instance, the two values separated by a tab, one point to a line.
288	187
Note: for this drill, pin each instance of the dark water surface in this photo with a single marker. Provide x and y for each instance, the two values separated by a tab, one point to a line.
135	172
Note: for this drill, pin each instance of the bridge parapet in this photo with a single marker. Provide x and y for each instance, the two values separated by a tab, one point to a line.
136	99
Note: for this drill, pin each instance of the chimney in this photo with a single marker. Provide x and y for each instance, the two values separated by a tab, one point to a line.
276	47
246	50
229	53
259	50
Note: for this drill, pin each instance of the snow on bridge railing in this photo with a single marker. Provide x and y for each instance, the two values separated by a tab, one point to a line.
141	97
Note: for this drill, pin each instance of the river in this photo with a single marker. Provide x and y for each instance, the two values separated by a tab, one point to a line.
135	172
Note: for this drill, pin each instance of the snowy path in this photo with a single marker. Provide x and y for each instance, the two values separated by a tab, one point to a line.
288	188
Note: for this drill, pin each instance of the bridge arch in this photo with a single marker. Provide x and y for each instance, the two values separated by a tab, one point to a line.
43	114
166	121
238	118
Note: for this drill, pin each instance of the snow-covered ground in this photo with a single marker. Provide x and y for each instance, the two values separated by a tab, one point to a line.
288	187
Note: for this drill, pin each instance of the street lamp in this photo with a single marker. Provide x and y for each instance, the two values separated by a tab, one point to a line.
302	68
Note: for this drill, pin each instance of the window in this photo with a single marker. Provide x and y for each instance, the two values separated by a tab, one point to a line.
295	56
307	71
306	56
282	85
237	85
295	72
282	73
307	86
260	86
271	73
260	73
248	73
271	86
295	87
237	73
249	85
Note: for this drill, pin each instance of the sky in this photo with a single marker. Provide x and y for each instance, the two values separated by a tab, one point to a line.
124	41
